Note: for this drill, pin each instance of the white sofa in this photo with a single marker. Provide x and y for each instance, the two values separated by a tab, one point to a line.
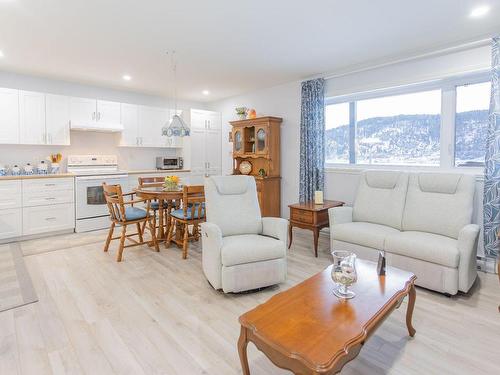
421	220
240	249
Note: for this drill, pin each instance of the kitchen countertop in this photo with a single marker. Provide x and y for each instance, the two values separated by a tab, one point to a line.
36	176
141	171
63	175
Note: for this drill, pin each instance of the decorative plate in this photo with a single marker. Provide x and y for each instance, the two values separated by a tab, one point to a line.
245	167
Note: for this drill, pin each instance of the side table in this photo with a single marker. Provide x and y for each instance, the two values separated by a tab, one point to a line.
310	216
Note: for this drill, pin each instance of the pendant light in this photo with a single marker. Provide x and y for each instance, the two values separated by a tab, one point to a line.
175	127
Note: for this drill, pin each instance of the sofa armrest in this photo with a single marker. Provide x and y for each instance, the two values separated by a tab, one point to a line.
340	215
275	227
211	243
467	248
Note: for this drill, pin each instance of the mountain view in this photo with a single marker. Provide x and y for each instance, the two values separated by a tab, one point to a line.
409	139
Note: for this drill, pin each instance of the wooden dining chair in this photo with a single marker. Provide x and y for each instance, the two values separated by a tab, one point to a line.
192	214
123	212
155	205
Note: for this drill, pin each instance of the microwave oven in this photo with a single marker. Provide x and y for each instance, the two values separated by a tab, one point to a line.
169	163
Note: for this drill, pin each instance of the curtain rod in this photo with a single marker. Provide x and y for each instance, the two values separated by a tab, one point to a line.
457	48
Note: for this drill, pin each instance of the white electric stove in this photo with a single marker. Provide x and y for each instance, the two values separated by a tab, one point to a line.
91	171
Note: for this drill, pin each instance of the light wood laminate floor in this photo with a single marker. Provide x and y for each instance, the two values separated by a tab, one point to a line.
155	313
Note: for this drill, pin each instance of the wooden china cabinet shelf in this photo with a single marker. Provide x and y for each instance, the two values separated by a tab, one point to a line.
259	140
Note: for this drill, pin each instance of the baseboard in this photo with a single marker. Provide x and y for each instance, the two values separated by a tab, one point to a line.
35	236
487	264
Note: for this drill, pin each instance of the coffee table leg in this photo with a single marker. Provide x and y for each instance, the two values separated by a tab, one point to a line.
290	235
412	296
242	350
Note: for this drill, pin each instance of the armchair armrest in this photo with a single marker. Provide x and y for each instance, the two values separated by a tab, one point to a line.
467	248
211	243
275	227
340	215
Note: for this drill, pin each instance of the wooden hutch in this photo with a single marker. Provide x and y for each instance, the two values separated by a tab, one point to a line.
257	141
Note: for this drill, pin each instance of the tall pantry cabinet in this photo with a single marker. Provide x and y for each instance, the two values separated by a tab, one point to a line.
205	144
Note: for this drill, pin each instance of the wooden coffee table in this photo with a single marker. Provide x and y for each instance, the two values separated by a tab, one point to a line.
307	330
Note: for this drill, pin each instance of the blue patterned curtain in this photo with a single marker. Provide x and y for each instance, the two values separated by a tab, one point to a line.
491	199
312	138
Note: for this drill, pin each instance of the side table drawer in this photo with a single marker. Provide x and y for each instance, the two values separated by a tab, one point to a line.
302	216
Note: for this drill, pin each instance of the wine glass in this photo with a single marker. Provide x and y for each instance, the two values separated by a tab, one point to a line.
344	273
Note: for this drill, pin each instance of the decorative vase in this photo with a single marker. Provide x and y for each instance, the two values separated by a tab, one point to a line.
242	116
344	273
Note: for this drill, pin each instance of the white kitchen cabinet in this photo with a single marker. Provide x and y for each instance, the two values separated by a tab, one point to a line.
57	116
9	116
90	114
32	117
108	112
44	219
130	122
40	192
83	110
206	157
11	224
151	121
10	194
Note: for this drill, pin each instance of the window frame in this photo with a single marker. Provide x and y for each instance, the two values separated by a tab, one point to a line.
448	87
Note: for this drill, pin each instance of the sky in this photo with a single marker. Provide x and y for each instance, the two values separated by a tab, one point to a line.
469	97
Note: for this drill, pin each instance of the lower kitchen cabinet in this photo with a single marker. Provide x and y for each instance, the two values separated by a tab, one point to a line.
43	219
11	224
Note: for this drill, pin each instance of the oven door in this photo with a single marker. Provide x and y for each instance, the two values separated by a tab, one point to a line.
90	201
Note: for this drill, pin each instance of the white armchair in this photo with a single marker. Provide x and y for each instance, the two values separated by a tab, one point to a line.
241	250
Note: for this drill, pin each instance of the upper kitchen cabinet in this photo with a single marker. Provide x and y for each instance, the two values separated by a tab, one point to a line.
130	122
9	116
57	115
108	112
32	117
151	121
96	115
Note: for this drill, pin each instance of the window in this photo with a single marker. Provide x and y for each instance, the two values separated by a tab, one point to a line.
389	130
337	133
471	123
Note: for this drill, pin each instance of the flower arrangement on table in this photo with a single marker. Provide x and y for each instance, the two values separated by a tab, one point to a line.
171	183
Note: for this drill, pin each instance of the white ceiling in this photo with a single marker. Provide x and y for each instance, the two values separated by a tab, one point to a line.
226	46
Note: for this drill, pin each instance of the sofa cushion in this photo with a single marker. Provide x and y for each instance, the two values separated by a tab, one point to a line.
439	203
429	247
361	233
381	197
232	204
249	248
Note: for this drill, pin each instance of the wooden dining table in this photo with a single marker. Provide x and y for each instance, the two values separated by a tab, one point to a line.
164	198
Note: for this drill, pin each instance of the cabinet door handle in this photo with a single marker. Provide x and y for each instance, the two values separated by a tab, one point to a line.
49	184
99	116
93	116
50	218
50	198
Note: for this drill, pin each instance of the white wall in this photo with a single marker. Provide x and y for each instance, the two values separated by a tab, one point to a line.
284	101
87	142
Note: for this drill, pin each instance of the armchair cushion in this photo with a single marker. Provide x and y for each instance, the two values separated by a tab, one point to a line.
249	248
134	213
433	248
361	233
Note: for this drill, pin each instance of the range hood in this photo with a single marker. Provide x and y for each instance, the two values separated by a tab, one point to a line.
94	126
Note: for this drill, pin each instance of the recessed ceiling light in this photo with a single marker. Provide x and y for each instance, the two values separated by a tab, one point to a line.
205	92
479	11
126	77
